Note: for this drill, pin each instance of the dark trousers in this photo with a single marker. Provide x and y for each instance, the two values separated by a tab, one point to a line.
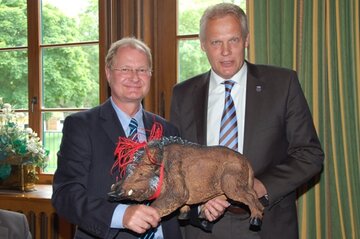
230	226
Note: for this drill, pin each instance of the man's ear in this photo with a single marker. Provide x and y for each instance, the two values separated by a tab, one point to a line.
247	40
202	45
107	72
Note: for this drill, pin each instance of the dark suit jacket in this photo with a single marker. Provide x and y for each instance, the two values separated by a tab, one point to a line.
280	140
83	179
13	225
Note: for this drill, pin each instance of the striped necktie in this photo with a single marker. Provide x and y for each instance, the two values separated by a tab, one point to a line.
133	134
150	234
228	128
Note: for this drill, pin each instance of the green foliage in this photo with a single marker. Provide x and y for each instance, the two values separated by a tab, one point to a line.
13	77
13	3
192	60
89	22
70	74
13	64
57	27
13	26
189	21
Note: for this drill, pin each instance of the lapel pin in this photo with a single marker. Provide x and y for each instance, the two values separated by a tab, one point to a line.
258	88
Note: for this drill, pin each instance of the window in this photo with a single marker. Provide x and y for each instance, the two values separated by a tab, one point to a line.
49	53
191	59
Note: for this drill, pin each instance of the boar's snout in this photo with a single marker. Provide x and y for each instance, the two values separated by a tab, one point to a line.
116	193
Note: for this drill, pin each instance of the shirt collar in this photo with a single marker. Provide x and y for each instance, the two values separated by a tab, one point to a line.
125	118
239	77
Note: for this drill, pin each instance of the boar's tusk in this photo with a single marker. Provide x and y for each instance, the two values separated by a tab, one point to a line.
130	192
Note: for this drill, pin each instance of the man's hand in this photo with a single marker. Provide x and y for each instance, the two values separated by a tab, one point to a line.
214	208
139	218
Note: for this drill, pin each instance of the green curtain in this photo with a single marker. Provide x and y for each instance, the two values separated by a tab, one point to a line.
321	41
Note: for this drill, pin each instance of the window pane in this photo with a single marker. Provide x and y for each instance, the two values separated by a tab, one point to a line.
192	60
71	77
52	125
14	78
69	21
13	23
190	12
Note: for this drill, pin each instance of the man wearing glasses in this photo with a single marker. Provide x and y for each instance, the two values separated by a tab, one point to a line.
83	178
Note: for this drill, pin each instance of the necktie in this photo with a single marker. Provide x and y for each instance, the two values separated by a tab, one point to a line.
228	128
149	234
133	125
133	134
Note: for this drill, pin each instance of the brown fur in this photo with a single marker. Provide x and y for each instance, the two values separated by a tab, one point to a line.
193	174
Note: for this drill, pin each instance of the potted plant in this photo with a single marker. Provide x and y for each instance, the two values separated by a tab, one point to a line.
21	151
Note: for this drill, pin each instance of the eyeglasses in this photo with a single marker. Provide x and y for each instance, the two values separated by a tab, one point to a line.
128	71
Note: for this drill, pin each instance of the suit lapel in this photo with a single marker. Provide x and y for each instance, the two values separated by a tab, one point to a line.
110	122
148	122
201	94
254	88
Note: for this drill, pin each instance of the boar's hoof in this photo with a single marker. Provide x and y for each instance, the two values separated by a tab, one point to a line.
255	221
184	215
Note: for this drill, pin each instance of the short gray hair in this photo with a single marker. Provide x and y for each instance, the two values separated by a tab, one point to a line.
221	10
127	42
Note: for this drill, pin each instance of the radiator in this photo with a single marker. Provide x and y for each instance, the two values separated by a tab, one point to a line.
43	221
48	226
42	226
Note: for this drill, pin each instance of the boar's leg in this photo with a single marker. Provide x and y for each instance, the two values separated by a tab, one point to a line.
174	192
167	204
240	191
184	213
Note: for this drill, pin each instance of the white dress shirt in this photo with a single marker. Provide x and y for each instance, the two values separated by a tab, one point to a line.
216	102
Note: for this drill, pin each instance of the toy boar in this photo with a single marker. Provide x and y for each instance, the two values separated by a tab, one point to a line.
176	173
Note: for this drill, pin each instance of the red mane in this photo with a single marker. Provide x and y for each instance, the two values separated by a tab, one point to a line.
126	149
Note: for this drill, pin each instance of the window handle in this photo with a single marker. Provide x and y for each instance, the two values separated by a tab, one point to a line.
33	102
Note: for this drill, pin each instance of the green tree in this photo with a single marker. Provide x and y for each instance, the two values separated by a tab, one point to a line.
67	70
89	22
70	73
13	64
89	25
192	60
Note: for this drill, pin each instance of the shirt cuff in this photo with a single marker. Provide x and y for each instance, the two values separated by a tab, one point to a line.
118	215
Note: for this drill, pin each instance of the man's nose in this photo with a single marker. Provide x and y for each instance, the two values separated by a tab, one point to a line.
225	49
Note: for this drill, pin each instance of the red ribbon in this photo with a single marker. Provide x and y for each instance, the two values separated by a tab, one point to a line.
126	149
159	185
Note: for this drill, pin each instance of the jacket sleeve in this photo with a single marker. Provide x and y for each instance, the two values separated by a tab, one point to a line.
294	148
71	197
